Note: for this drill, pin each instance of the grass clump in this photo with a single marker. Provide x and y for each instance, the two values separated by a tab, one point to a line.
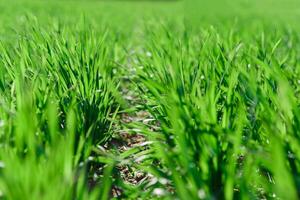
58	99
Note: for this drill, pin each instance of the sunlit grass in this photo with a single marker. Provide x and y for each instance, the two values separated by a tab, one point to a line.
214	97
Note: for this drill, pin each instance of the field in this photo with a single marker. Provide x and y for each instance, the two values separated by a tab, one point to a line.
149	99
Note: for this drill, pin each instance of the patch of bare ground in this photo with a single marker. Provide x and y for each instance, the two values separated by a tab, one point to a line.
124	142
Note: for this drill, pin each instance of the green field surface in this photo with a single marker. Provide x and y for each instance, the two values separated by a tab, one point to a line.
119	99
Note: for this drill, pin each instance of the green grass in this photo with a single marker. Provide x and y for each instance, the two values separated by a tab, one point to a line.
213	90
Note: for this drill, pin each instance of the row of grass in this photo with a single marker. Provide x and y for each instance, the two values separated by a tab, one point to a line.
228	109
